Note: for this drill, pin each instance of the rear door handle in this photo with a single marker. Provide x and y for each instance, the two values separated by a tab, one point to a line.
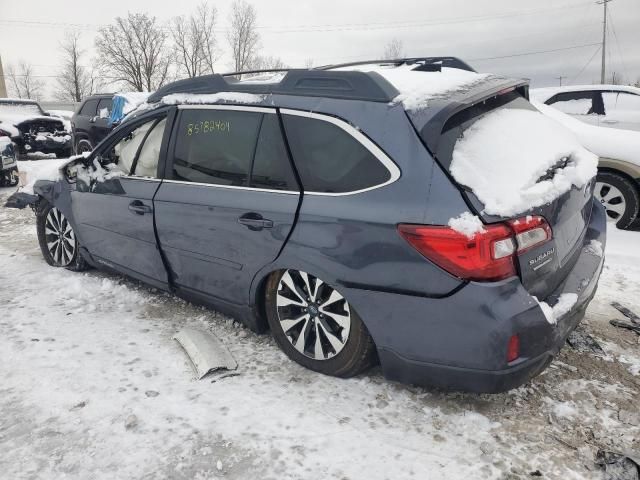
610	121
255	221
139	208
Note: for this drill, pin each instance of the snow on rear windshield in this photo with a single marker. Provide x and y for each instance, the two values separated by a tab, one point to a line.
502	156
21	108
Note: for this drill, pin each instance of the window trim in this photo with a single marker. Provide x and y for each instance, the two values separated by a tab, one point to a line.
242	108
366	142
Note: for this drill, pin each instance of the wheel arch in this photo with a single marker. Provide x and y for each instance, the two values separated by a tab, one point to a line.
625	169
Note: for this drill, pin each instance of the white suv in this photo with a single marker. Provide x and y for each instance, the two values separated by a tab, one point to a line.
614	106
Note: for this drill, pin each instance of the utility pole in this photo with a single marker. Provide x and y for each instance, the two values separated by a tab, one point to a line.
560	78
604	40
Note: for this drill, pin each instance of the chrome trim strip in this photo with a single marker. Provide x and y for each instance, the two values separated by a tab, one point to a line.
233	187
376	151
187	106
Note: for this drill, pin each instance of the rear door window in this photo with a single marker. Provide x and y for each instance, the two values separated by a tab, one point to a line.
620	102
329	159
104	107
90	107
215	146
271	165
576	103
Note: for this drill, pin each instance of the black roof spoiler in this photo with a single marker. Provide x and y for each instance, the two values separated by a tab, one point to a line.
431	121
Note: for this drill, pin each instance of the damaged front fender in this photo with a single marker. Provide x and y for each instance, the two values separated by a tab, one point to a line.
46	189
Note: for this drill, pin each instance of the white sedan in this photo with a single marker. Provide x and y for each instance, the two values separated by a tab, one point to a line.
618	182
612	106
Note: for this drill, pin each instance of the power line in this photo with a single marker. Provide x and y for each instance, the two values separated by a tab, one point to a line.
586	64
324	27
534	53
521	54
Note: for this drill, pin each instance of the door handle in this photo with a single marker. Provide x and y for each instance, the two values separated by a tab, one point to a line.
610	121
255	221
139	208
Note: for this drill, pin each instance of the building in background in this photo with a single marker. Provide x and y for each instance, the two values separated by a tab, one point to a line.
3	86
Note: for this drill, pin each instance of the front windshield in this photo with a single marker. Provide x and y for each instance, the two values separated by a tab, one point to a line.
20	108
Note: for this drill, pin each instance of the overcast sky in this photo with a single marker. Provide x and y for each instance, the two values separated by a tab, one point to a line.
331	31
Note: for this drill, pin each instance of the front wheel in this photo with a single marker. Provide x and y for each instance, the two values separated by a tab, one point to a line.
57	239
619	197
315	325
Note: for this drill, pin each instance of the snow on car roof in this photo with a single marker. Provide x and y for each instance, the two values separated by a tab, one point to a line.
417	87
545	93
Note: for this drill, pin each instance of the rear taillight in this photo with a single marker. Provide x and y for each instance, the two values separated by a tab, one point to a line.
487	256
531	232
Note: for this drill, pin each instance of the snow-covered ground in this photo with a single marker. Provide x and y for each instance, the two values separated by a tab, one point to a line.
94	387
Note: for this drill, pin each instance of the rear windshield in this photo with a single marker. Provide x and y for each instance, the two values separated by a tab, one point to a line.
456	125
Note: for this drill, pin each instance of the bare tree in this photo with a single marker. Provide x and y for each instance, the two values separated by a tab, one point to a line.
134	51
195	41
615	79
243	37
75	80
394	49
267	63
23	83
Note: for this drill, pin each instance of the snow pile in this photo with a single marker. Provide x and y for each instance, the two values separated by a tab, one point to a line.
594	248
197	99
564	306
611	143
467	224
132	100
98	173
502	156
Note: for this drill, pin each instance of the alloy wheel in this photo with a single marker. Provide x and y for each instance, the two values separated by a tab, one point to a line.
612	199
61	241
314	317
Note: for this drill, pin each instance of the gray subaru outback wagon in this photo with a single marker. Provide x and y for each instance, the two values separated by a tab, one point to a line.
318	204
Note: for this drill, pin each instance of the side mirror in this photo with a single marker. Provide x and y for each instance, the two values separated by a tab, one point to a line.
46	114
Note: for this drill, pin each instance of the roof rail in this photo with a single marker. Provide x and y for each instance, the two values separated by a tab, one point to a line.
448	62
351	85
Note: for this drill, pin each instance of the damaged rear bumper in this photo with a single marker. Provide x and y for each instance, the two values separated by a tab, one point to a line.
460	342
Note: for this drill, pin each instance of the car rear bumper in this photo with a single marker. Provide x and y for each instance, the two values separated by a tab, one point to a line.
460	342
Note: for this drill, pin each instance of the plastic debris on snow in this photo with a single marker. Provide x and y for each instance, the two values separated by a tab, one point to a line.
565	303
467	224
502	156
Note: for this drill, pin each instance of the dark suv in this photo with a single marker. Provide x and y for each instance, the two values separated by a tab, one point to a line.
90	123
321	204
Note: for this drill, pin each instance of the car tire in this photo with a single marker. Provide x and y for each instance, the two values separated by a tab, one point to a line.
345	348
619	196
83	145
58	243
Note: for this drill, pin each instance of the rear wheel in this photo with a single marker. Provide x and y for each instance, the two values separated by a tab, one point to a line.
57	239
619	197
83	146
315	325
